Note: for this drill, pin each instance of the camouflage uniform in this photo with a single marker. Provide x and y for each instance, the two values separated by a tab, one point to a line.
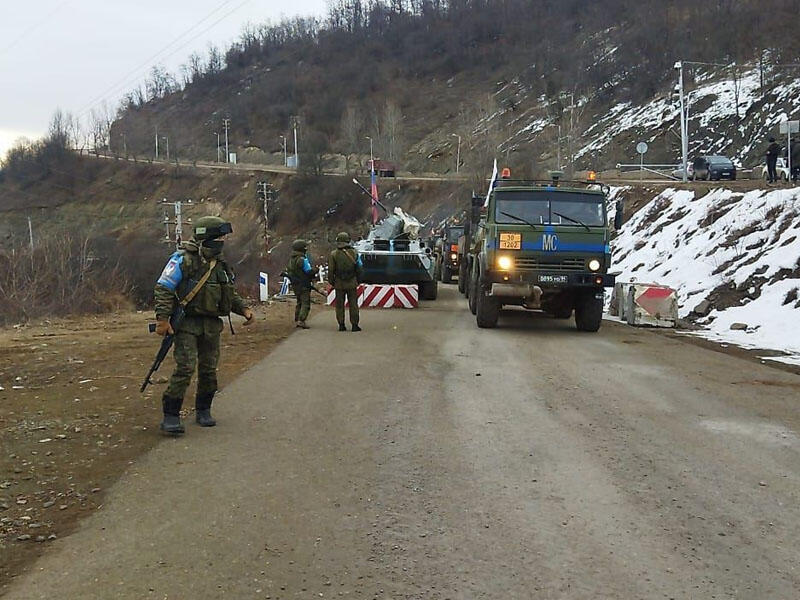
196	342
344	270
301	273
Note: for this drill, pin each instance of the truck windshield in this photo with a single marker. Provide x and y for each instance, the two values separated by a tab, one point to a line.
540	207
454	233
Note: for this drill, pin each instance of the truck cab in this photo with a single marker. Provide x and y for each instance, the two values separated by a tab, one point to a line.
542	245
448	256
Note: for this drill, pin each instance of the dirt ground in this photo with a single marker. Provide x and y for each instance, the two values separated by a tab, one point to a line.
72	417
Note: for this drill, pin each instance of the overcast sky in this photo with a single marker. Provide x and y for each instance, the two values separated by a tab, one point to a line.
72	53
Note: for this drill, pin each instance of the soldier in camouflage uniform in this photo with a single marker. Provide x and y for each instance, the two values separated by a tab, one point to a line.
197	338
301	274
344	271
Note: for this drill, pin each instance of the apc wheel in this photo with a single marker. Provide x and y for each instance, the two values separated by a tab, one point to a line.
429	290
462	278
447	275
589	313
488	310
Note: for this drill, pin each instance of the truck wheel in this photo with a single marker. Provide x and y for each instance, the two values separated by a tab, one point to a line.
589	313
488	310
429	290
462	278
473	292
447	275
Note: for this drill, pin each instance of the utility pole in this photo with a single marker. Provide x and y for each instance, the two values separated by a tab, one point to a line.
296	155
264	194
156	143
283	143
569	135
684	124
371	155
218	148
458	152
226	123
30	232
178	207
558	151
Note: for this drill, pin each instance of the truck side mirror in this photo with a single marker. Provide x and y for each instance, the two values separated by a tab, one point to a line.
618	215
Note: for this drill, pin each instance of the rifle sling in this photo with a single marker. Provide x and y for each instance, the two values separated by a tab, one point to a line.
196	289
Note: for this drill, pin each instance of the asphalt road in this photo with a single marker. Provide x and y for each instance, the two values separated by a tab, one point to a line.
424	458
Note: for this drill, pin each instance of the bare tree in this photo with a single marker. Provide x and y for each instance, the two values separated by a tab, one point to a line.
393	130
352	129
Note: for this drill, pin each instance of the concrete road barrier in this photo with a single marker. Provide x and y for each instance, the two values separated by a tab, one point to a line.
384	296
650	305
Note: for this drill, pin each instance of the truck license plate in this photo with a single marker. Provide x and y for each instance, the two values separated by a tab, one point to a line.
510	241
553	278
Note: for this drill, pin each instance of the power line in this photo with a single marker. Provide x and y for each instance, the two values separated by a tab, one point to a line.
34	27
127	78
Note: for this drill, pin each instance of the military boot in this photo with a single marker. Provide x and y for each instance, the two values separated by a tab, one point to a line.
342	327
172	416
356	328
302	325
202	412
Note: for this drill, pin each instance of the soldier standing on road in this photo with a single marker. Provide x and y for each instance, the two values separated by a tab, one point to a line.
344	270
773	152
197	338
301	274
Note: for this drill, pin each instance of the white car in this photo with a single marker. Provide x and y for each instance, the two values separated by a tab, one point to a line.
781	170
678	172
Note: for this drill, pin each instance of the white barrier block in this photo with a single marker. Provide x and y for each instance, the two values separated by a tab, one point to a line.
383	296
653	305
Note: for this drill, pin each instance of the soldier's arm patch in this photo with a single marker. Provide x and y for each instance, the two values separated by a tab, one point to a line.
172	275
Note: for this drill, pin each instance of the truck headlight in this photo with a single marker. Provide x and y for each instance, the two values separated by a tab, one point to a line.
505	263
453	256
594	265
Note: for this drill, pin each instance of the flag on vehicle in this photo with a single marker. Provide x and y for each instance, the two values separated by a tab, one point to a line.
492	183
374	192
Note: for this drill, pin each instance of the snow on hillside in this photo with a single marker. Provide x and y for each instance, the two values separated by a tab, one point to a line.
729	113
714	105
738	252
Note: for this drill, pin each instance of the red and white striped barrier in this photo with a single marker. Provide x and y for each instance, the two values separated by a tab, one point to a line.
652	305
383	296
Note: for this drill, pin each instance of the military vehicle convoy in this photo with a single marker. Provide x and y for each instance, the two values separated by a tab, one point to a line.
392	253
540	245
447	257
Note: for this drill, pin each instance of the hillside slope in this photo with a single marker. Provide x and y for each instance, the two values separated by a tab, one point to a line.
530	81
733	257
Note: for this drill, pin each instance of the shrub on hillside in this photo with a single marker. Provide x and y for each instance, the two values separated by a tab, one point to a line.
60	276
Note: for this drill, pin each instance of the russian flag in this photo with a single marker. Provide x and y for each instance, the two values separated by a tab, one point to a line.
374	192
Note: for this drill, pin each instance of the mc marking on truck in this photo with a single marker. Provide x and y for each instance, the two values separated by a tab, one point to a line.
550	242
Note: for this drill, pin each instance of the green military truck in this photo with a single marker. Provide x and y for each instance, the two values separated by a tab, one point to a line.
542	245
447	252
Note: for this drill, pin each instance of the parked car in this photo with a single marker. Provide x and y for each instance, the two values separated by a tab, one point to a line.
781	169
678	172
713	167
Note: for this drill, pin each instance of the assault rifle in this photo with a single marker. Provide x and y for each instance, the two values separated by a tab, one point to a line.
175	320
296	284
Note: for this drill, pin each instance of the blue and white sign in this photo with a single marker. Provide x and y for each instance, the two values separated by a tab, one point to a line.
263	287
